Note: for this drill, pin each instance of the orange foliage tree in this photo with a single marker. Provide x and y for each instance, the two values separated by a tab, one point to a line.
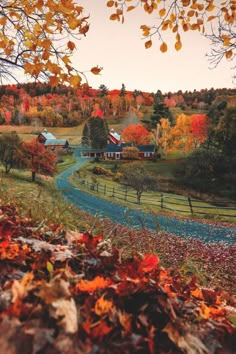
136	134
38	159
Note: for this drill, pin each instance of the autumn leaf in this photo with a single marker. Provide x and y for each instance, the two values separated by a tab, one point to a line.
130	8
163	47
162	12
110	3
92	285
75	80
148	44
178	45
102	306
229	54
96	70
71	45
149	263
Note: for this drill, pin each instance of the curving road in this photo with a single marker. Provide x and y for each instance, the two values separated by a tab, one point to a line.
138	218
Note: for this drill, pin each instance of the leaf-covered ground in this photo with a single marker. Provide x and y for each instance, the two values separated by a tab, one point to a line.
64	291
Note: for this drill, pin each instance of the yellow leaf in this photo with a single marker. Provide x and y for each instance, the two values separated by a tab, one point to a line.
162	12
66	59
163	47
73	23
75	80
178	45
148	44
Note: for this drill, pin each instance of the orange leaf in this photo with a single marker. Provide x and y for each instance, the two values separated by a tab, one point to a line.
96	70
178	45
197	293
102	306
163	47
130	8
148	44
110	3
92	285
114	17
162	12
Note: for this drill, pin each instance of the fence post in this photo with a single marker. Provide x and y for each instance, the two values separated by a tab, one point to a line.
190	205
126	192
113	192
105	187
162	201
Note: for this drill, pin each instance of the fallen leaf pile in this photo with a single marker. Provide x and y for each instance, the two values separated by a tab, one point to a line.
68	292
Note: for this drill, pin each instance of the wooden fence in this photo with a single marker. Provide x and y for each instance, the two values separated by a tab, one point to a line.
169	202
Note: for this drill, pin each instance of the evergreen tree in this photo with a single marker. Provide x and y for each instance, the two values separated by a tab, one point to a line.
160	110
123	91
96	129
103	91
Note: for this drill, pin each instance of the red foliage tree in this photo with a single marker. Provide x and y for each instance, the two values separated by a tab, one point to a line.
199	127
136	134
38	159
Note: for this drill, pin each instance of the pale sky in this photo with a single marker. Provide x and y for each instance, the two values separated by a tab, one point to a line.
119	49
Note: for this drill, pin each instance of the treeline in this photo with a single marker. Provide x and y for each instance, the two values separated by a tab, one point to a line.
39	104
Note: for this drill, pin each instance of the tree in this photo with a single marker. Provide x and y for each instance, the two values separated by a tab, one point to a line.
96	129
136	134
10	144
130	153
138	178
160	110
103	91
38	159
123	92
211	18
222	128
40	37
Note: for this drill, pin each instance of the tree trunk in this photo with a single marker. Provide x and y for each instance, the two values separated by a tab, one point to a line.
33	176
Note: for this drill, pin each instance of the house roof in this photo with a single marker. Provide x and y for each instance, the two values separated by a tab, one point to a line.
146	148
119	148
47	136
113	134
53	142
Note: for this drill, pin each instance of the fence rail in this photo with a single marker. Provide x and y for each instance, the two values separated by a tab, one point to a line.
163	201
